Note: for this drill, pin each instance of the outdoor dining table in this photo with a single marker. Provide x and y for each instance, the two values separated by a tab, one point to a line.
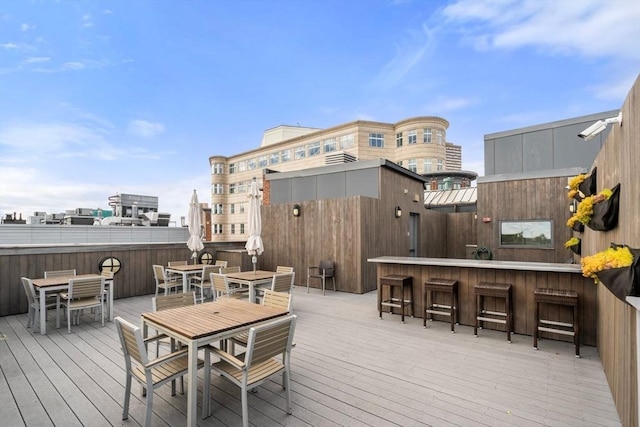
186	270
202	324
61	283
252	279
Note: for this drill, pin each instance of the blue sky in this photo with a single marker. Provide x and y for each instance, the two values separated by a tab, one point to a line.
106	97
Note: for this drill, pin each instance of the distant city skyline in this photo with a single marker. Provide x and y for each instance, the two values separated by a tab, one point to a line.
100	97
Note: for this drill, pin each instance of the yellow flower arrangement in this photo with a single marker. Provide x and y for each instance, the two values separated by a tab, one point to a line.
571	242
585	207
614	257
574	183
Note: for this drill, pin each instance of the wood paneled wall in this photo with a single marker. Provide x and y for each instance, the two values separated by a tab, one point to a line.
351	230
539	198
618	162
135	277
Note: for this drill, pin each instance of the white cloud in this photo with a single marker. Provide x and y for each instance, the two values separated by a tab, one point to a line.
37	60
589	28
86	21
26	27
9	46
48	138
145	128
446	104
408	55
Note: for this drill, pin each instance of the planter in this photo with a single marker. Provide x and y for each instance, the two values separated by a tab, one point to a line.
578	226
605	213
577	249
623	282
588	186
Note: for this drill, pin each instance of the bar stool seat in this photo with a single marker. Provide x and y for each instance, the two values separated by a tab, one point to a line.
558	297
494	290
392	282
445	286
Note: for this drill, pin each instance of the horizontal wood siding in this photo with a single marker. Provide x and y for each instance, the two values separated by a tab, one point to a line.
523	282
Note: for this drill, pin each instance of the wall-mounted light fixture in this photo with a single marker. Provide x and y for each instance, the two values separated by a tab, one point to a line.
398	212
296	210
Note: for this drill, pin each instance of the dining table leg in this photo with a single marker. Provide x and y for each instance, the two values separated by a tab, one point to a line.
192	378
43	311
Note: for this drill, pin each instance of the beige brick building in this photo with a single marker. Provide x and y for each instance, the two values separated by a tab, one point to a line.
418	144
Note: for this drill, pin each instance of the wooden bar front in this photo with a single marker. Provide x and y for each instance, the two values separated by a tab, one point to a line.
525	278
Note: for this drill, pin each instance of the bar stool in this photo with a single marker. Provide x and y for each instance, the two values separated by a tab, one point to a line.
392	282
445	286
495	290
558	297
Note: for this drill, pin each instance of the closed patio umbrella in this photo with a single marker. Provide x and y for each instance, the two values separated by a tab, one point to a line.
195	225
254	244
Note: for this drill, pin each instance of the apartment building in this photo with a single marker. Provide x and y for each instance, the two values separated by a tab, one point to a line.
418	144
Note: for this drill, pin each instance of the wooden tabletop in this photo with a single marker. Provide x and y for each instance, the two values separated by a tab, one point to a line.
202	320
61	280
251	275
187	267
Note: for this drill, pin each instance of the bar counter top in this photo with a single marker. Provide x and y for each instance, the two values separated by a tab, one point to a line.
476	263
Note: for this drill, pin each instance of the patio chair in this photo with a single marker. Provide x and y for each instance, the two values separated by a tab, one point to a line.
227	270
163	282
323	272
59	273
151	374
284	269
33	300
279	283
82	294
175	276
203	281
260	362
222	288
270	299
221	263
108	287
166	302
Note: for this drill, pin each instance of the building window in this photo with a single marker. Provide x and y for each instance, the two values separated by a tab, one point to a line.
400	163
251	164
300	152
233	229
241	208
262	161
412	165
399	139
427	167
412	137
426	136
285	155
241	187
440	137
440	165
218	189
217	209
329	145
347	141
376	140
217	228
232	208
241	228
274	158
217	168
242	166
232	168
526	233
233	188
314	149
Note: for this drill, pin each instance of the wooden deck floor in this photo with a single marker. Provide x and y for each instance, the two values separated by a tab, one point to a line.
348	369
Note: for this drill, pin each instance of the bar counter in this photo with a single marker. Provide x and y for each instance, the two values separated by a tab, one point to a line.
525	277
